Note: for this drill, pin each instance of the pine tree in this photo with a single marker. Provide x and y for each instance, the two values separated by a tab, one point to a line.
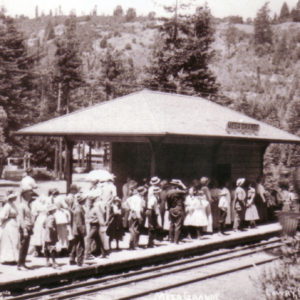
130	15
284	12
68	65
117	75
17	82
5	148
262	30
181	58
118	11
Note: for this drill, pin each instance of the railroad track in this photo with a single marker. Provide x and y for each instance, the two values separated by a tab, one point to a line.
155	279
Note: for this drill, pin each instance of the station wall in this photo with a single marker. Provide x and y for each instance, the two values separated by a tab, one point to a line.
218	160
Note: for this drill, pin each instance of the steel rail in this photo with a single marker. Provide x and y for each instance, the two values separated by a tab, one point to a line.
134	273
261	246
197	279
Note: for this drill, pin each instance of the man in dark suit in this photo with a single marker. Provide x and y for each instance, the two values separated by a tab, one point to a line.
78	230
175	199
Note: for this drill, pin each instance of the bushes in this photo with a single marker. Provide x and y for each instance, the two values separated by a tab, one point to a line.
282	280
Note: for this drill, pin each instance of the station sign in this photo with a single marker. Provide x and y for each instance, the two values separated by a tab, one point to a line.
242	128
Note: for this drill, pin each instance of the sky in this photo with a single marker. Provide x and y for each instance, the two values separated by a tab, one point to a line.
219	8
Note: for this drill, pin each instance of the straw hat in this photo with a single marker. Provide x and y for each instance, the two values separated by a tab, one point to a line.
240	181
178	183
154	180
141	190
204	180
11	195
80	197
25	187
156	189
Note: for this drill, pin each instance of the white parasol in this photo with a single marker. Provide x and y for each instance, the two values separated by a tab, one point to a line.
99	175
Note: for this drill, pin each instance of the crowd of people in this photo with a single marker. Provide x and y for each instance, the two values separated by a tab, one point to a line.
83	223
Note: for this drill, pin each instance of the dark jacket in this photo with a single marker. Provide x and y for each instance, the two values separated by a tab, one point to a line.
78	224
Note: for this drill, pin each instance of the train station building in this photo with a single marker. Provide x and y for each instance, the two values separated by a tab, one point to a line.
168	135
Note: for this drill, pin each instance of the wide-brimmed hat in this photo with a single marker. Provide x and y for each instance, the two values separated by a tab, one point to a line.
154	180
25	187
11	195
156	189
141	190
80	197
178	183
204	180
116	199
240	181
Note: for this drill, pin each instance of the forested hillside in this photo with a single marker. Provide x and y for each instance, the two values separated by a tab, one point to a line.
78	61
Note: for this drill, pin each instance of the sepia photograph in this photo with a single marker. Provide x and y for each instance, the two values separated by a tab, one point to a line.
150	149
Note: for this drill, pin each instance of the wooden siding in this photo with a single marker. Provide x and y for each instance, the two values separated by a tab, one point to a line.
222	161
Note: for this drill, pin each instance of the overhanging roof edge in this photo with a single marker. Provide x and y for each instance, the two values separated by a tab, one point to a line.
166	134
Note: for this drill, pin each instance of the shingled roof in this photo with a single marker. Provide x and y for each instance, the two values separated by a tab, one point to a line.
148	113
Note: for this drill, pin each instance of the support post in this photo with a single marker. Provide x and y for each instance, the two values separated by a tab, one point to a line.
154	148
69	164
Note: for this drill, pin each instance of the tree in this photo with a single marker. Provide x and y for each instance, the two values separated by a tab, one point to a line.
295	13
18	99
281	51
49	31
118	11
36	12
117	75
68	65
284	12
17	81
5	148
130	14
180	61
231	38
262	30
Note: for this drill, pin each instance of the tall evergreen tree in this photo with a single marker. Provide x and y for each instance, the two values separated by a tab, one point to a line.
68	65
284	12
263	35
117	76
180	62
17	81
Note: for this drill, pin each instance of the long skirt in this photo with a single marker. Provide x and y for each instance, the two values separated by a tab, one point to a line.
9	246
115	228
37	238
62	235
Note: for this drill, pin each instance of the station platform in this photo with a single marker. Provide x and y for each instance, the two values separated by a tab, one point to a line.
125	259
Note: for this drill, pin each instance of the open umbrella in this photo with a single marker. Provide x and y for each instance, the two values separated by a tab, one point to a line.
99	175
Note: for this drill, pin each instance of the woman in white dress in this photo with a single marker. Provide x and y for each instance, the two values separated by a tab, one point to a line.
199	218
39	211
189	210
63	219
9	246
251	214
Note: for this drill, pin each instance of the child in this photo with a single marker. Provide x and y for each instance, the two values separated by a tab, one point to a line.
223	208
115	223
50	236
251	214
